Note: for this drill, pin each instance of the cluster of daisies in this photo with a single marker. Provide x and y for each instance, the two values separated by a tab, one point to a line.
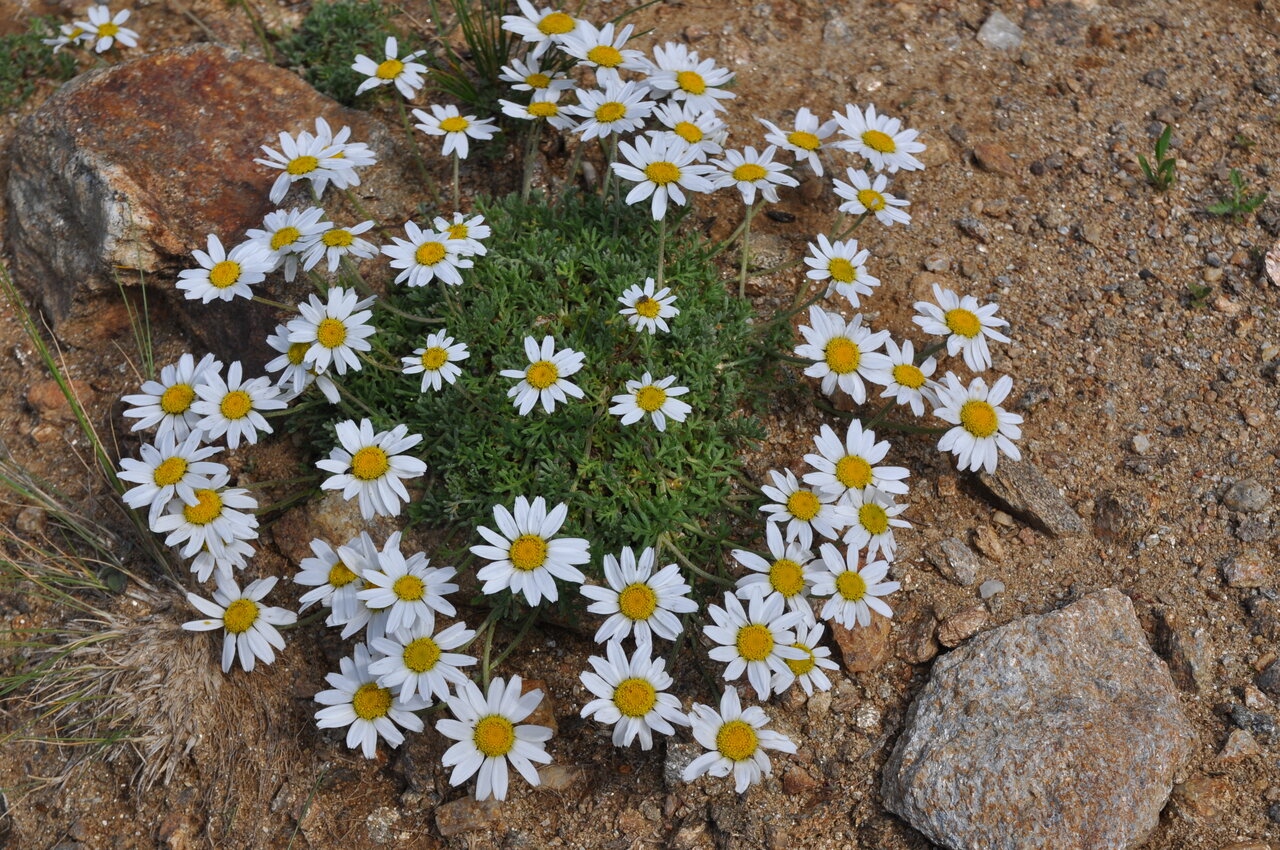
100	31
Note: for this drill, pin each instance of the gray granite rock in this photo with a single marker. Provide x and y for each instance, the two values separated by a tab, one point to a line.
1023	489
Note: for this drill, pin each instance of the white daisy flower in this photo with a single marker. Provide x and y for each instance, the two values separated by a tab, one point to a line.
749	171
219	515
787	574
875	516
234	407
982	429
601	48
540	27
437	361
249	625
366	709
311	158
488	735
372	466
404	73
803	510
736	739
528	75
417	662
655	399
637	600
647	310
338	242
544	378
844	353
334	330
630	695
880	139
809	672
544	105
850	464
854	593
352	155
526	555
167	402
843	265
410	589
965	323
223	274
68	34
286	234
615	108
360	553
169	470
661	167
426	255
456	128
468	232
702	131
677	71
756	639
105	30
232	555
295	375
334	584
903	380
862	196
805	140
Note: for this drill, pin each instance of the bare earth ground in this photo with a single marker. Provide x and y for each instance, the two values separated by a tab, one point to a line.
1092	268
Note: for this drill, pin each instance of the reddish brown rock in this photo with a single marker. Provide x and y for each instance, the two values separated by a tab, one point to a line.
962	625
467	815
545	713
864	648
1202	799
48	400
994	158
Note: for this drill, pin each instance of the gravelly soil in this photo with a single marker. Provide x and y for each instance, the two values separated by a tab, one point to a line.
1143	403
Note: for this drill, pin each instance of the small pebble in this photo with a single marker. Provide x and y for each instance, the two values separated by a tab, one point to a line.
990	588
1141	444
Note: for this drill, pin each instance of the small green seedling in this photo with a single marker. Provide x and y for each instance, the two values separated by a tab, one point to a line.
1164	174
1241	203
1198	294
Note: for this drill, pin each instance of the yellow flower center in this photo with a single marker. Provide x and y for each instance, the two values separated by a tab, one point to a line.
979	418
337	238
963	322
804	141
662	173
873	518
637	601
457	231
297	353
236	404
494	736
755	642
786	577
371	702
340	575
842	271
240	616
604	55
429	253
537	81
650	398
433	358
108	30
543	109
800	666
908	376
224	274
528	552
557	23
803	505
750	172
389	69
409	588
331	333
542	374
691	82
688	131
878	141
170	472
851	586
871	199
74	33
737	740
284	237
853	472
842	355
421	655
635	697
454	124
648	307
300	165
177	398
607	113
370	463
207	508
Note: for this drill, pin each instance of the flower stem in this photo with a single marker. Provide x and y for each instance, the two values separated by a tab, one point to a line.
880	414
662	250
665	540
524	630
790	264
929	351
530	157
745	247
279	305
730	239
573	168
457	194
417	153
